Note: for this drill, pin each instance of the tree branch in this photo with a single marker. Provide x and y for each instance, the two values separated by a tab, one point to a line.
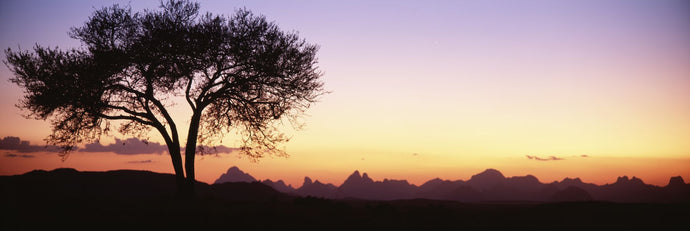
123	117
188	97
128	111
166	115
150	97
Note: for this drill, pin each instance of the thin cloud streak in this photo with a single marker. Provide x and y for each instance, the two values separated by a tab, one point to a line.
544	159
550	158
12	155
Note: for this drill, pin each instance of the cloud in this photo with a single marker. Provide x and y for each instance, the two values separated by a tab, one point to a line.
131	146
12	155
203	149
23	146
134	146
552	157
544	159
140	162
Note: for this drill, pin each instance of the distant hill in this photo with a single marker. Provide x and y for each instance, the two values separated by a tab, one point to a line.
67	183
489	185
279	185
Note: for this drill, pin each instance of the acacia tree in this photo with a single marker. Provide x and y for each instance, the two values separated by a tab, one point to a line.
240	72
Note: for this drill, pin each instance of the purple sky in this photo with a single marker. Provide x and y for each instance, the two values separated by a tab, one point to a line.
460	83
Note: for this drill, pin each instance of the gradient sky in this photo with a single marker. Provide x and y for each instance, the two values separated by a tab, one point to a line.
424	89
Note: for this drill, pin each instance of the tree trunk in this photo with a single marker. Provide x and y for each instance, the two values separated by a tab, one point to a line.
190	151
179	171
176	157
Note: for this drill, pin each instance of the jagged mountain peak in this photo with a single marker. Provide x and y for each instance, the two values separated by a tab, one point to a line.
365	178
307	181
676	181
568	180
357	179
626	180
489	174
234	174
636	180
355	174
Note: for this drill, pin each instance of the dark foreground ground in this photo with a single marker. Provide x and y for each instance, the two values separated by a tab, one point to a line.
142	200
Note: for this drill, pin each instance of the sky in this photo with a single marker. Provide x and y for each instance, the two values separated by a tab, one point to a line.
425	89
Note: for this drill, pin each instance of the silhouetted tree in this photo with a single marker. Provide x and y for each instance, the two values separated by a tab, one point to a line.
240	72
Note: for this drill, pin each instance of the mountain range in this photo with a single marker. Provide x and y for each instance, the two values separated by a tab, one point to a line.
488	186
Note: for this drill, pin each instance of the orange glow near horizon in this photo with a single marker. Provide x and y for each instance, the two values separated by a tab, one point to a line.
417	169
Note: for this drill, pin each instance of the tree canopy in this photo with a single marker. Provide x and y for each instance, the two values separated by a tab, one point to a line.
239	72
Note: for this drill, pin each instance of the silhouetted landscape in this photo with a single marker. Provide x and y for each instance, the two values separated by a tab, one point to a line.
558	87
487	186
127	198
